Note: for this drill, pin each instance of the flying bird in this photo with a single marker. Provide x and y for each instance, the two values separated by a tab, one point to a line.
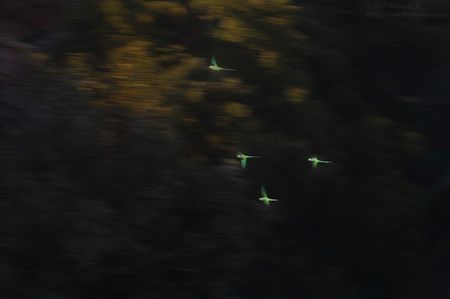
265	198
316	161
244	158
215	67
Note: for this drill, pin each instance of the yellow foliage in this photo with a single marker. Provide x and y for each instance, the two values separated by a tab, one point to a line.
232	30
268	59
232	18
237	110
144	18
232	83
143	76
77	62
280	21
167	7
210	7
190	120
296	94
139	81
268	2
194	95
113	11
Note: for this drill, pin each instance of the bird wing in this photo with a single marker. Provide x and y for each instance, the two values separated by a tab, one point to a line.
243	163
263	191
322	161
213	61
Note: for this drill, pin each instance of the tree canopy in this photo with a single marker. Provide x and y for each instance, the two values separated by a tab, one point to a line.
119	177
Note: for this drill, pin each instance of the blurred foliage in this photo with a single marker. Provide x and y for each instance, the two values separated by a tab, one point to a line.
118	175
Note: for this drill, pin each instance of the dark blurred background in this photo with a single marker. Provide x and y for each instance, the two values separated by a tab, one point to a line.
118	176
